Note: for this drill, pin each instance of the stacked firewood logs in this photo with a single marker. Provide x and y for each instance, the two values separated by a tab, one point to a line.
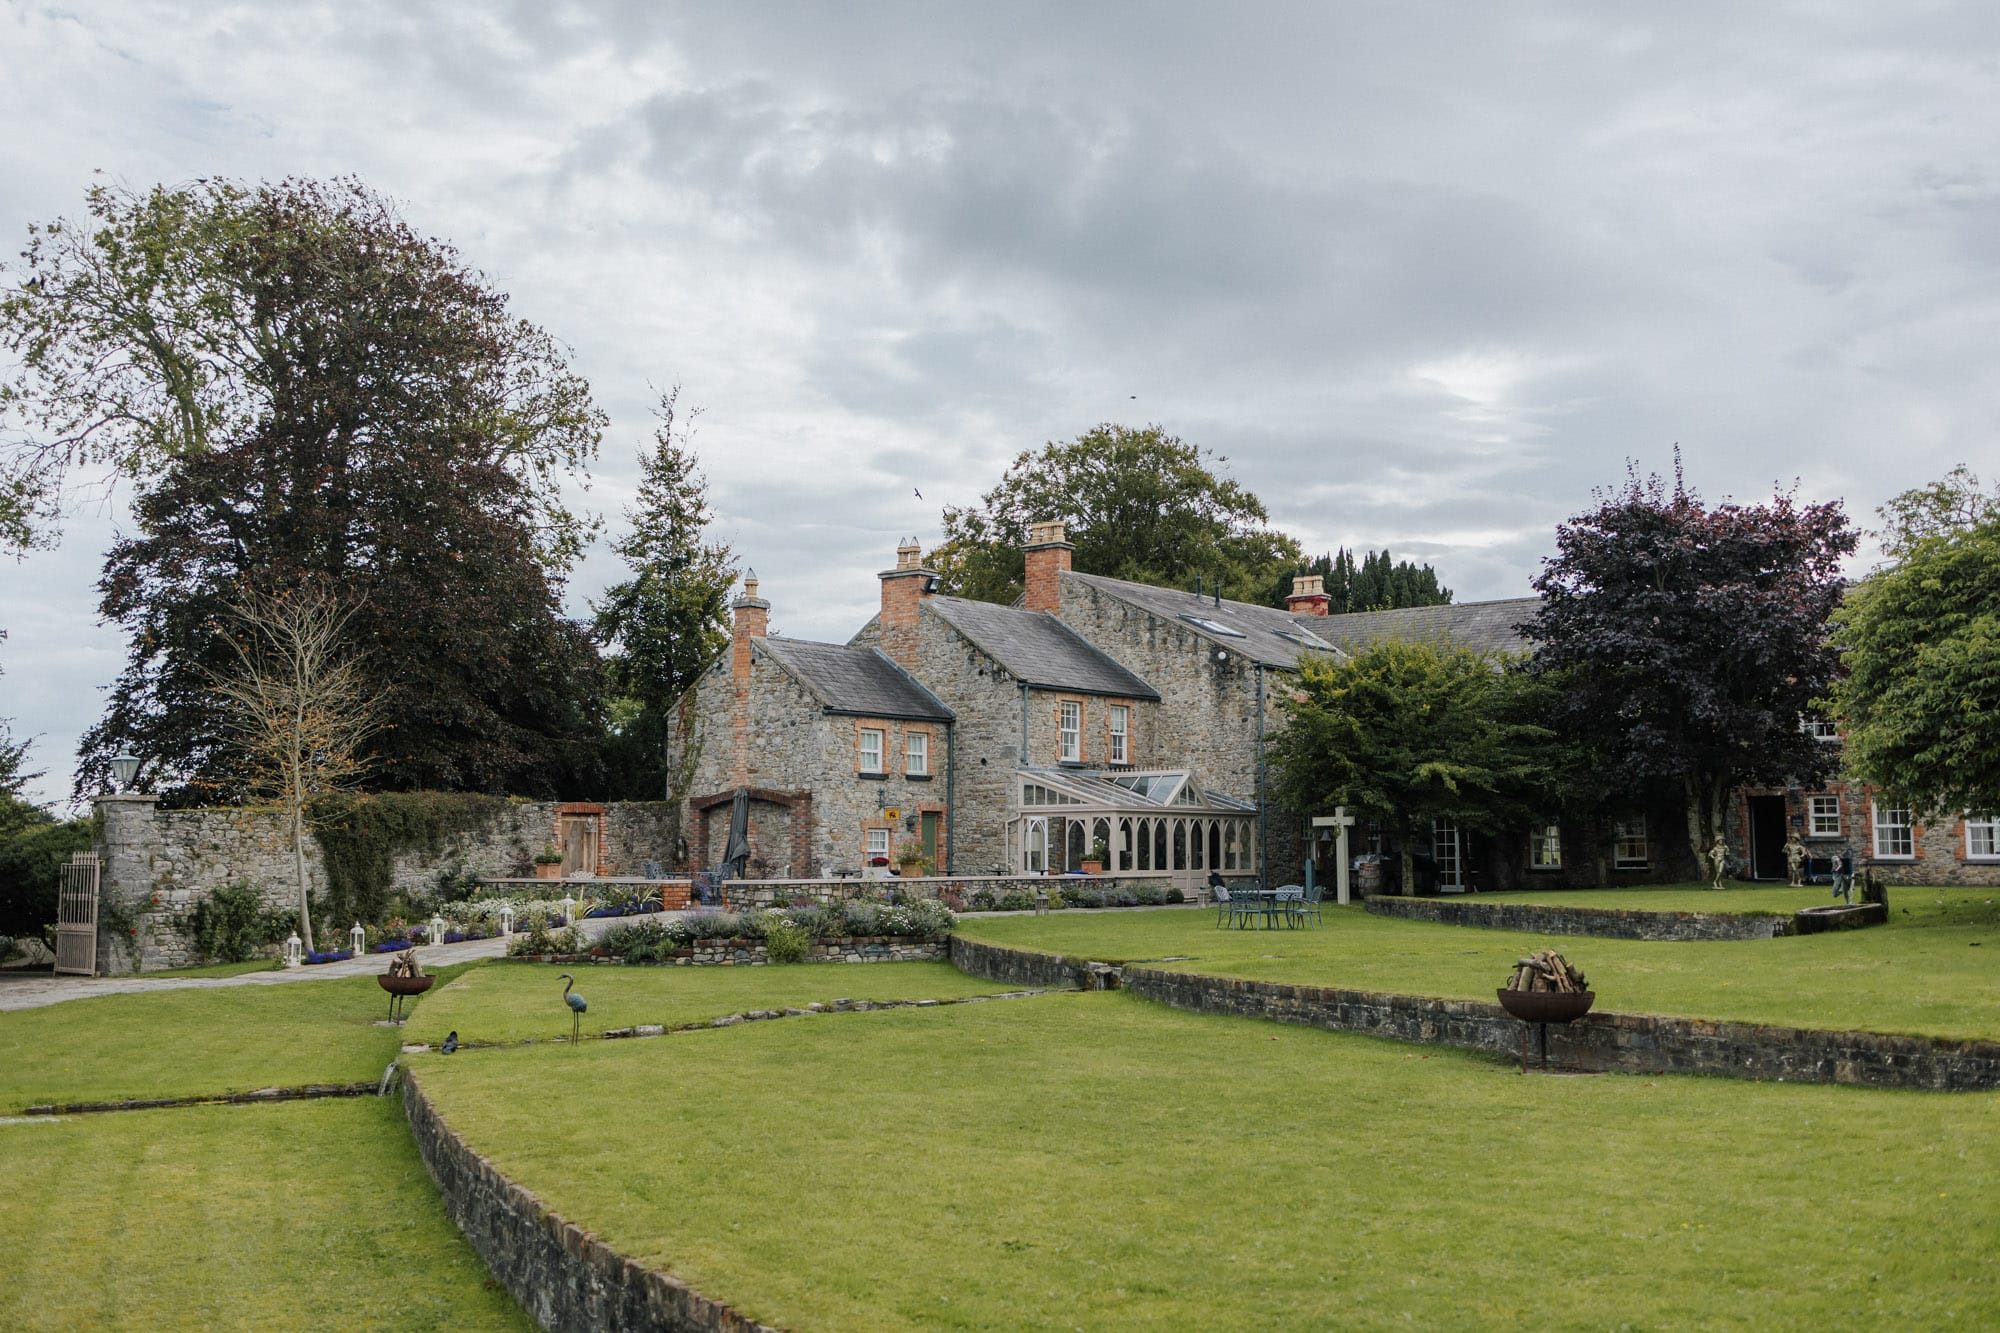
405	964
1546	971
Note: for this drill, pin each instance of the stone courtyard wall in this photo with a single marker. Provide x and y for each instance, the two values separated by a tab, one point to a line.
159	864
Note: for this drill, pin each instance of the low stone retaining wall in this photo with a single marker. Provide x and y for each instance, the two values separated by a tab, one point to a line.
1613	923
1605	1042
1017	967
744	894
564	1277
754	953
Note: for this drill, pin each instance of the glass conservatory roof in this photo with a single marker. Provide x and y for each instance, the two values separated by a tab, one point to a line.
1154	789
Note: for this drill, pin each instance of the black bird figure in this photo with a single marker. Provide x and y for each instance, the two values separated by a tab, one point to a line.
920	494
451	1041
576	1005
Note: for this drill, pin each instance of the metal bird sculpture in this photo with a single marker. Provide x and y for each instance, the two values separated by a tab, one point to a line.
576	1004
451	1041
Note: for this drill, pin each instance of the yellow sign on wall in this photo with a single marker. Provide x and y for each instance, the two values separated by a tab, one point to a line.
892	814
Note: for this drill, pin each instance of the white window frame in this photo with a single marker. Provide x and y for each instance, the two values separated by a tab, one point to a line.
917	754
1891	831
1035	846
874	843
1120	734
1545	847
1819	727
874	751
1070	732
1630	848
1982	828
1816	827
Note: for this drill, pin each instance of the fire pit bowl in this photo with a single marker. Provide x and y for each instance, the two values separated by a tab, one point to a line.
407	985
1534	1006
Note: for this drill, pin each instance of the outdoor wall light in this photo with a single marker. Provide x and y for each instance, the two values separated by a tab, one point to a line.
437	930
357	939
506	918
295	951
124	769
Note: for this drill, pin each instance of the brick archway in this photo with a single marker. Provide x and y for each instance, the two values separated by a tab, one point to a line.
797	804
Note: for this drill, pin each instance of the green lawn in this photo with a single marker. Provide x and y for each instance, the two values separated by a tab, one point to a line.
522	1001
1095	1161
1733	897
306	1215
1934	970
187	1043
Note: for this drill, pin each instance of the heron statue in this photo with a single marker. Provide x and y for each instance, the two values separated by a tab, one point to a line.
576	1004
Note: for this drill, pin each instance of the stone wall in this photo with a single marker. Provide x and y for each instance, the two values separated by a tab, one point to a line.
1603	1042
745	894
1016	967
1603	922
158	864
562	1275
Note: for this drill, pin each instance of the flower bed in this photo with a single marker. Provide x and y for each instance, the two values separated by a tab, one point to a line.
783	934
329	956
1066	891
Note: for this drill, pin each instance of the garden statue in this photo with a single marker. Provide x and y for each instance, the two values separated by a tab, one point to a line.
1718	857
1795	860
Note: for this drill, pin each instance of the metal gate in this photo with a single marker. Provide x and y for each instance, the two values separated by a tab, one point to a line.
76	916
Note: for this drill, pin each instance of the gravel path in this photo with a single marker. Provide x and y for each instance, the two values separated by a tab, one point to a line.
32	990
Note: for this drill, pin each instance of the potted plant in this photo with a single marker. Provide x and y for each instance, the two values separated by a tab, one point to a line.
548	862
1093	860
910	859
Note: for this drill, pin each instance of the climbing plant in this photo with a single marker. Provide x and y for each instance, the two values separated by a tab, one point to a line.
360	837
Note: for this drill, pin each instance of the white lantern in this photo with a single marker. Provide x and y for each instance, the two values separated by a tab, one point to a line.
437	930
506	918
295	951
125	768
569	910
357	940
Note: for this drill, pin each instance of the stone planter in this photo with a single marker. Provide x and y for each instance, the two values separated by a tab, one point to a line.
1092	867
543	871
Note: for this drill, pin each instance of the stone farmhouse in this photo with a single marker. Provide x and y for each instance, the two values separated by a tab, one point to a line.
1095	714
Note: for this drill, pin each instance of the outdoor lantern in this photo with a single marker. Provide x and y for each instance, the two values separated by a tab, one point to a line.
295	951
569	910
506	918
437	930
124	768
357	939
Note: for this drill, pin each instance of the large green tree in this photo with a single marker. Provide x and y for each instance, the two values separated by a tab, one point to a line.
1138	504
305	390
1407	733
1690	640
666	623
1920	640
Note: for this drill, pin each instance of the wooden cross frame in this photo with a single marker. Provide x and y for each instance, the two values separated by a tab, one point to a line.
1339	821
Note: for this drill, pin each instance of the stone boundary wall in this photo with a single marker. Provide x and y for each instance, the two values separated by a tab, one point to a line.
160	863
1605	922
1602	1042
1017	967
744	894
754	953
562	1275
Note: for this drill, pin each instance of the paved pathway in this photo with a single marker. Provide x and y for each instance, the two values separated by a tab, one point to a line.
33	990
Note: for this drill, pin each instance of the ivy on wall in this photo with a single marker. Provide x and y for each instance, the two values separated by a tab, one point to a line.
360	837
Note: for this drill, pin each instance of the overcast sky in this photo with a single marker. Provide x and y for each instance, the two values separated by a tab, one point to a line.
1426	275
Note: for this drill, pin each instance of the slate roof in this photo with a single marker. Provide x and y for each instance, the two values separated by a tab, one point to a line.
1267	634
862	681
1039	649
1480	626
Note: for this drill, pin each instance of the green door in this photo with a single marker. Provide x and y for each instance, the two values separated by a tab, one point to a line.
930	837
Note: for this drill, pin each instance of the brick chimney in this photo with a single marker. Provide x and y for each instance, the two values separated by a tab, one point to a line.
1048	560
753	617
1308	596
903	591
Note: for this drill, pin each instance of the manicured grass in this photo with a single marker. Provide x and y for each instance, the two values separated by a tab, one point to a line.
1920	974
195	1042
306	1215
1095	1161
524	1001
1733	897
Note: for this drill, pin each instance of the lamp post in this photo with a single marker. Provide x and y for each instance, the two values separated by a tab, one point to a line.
125	770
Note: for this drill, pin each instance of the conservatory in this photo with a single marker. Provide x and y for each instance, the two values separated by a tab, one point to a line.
1156	819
